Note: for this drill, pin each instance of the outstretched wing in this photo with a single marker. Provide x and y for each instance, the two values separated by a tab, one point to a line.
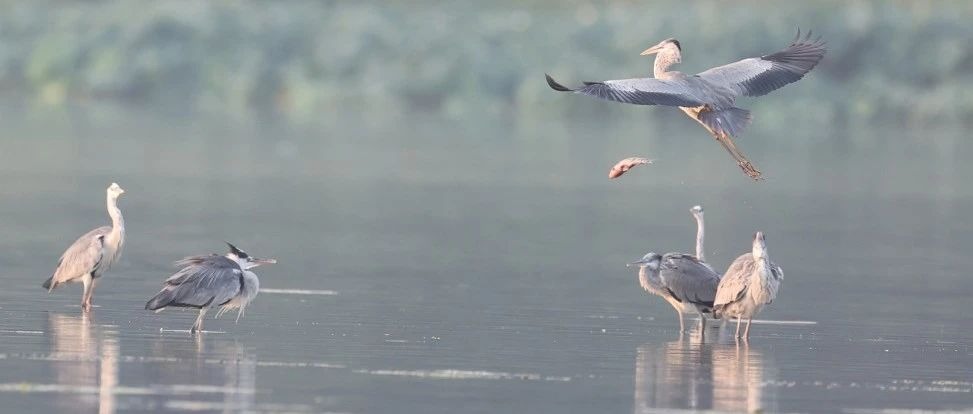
640	91
204	281
688	279
760	75
735	281
82	257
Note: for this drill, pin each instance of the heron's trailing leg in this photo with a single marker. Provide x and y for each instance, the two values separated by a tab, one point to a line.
726	141
741	159
746	332
198	326
737	335
682	325
89	285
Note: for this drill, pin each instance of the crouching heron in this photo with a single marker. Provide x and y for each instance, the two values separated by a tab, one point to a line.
92	254
708	97
750	283
685	281
205	282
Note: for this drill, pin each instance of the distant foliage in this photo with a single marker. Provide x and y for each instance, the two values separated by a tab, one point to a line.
892	62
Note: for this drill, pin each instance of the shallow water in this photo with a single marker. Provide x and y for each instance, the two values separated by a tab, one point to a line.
467	265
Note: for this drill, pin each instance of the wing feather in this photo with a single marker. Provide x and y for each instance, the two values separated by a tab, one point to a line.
733	286
202	282
689	279
638	91
760	75
82	257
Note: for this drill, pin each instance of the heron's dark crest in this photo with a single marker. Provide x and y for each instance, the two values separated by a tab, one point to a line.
675	42
239	253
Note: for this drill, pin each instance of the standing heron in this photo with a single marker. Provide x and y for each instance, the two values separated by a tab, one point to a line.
93	253
708	97
682	280
750	283
204	282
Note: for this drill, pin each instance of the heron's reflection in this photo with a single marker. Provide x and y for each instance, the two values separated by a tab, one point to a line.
223	371
692	374
84	355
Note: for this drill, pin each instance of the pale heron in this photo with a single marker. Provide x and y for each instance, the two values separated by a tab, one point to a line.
708	97
750	283
205	282
93	253
700	234
682	280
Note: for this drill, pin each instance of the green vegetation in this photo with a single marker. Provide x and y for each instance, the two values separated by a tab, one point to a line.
890	62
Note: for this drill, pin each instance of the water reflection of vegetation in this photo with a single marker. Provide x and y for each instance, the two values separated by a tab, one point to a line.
888	61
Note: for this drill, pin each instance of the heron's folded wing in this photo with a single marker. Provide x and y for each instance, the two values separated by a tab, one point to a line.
688	279
208	280
734	283
761	75
82	256
640	91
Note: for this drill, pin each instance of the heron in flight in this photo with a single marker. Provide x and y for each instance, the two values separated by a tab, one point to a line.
750	283
92	254
709	96
205	282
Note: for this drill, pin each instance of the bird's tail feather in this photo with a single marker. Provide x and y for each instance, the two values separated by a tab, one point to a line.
557	86
730	121
160	301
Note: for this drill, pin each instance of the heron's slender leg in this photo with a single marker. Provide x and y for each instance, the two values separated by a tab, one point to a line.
198	326
682	326
86	281
737	335
727	143
746	332
702	322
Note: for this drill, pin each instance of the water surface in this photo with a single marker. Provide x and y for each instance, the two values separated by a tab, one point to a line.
477	265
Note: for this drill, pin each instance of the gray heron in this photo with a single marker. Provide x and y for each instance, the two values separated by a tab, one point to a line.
750	283
708	97
209	281
682	280
92	254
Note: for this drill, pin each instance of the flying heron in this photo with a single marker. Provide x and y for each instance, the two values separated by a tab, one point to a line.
205	282
708	97
93	253
750	283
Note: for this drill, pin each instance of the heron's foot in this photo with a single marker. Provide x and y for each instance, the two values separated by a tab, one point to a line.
86	307
750	170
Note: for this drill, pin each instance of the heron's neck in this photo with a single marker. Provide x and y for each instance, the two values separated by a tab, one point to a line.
648	279
700	234
663	60
117	222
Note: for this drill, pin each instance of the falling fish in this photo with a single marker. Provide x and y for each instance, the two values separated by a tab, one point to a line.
624	165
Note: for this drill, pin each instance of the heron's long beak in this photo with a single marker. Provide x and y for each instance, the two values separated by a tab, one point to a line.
649	51
259	262
637	263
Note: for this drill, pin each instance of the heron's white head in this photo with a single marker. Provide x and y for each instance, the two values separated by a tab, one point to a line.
759	246
115	190
697	211
669	46
651	260
245	260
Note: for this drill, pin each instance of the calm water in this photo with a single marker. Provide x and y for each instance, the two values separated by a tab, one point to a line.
471	265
